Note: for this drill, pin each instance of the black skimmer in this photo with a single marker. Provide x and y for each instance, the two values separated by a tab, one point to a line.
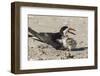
58	40
62	39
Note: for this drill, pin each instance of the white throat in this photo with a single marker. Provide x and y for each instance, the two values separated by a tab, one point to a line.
65	32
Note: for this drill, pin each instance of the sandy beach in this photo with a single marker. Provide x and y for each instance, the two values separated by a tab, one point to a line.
41	51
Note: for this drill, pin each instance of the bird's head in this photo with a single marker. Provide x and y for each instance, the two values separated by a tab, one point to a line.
65	29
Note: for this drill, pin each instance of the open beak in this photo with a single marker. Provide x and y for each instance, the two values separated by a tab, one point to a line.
71	30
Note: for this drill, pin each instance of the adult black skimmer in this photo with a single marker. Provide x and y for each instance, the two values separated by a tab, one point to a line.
62	39
58	40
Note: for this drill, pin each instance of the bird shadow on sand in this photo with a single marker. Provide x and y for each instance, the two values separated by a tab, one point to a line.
79	49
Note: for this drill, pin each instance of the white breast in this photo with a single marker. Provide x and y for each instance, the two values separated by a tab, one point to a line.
64	42
60	40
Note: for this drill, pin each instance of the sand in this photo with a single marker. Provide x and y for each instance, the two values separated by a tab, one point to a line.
41	51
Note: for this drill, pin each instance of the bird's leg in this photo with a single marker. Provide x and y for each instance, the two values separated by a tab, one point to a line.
69	53
69	50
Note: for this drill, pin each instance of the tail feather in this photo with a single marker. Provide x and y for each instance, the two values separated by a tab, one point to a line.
36	34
